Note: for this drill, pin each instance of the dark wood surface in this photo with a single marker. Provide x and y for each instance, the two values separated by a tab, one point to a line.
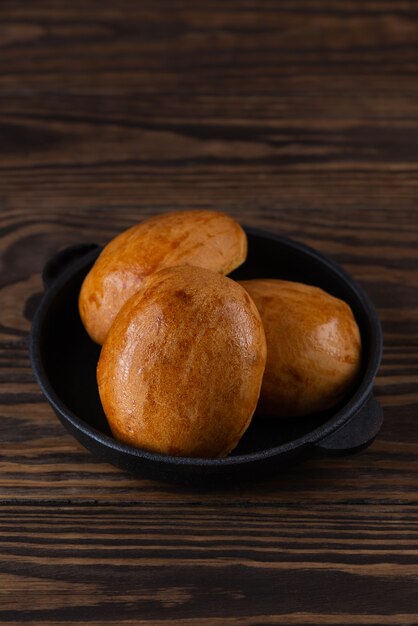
298	116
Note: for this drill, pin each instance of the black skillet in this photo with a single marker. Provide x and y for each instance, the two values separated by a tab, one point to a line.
64	360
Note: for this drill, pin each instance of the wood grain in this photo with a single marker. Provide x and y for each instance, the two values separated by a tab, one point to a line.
229	565
291	104
298	117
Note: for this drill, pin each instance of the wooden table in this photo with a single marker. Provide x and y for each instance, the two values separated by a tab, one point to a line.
297	116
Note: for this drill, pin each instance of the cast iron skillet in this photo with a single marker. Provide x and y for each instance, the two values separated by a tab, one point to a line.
64	360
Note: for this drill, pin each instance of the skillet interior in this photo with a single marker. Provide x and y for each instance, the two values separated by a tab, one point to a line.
69	357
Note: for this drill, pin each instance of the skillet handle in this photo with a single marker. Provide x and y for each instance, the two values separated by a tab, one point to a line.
356	434
57	264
